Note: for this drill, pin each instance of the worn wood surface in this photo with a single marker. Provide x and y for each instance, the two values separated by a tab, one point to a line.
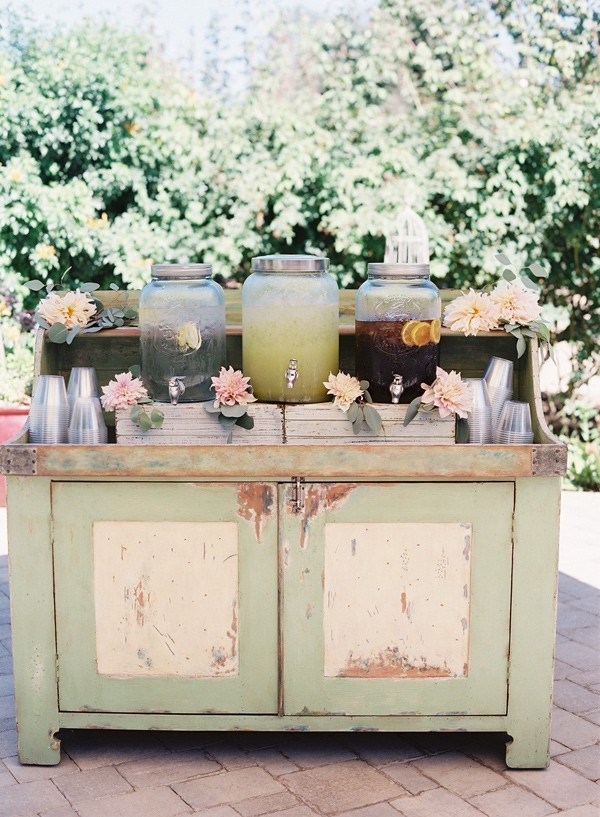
32	606
535	575
318	424
479	689
80	607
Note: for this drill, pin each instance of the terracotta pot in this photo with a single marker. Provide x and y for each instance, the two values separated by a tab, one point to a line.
12	420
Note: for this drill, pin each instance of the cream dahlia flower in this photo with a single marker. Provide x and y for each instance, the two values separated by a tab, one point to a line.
231	388
345	389
125	390
515	303
448	393
471	313
69	308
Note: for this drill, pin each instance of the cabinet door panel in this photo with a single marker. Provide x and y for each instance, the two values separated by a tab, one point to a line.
396	598
166	596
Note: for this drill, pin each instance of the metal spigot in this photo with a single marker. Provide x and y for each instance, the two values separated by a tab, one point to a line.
396	388
176	389
291	373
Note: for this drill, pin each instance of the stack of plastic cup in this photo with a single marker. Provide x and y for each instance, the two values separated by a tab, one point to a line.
49	412
479	419
499	378
515	425
82	383
87	426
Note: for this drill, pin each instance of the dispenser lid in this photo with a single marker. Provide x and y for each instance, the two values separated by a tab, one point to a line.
410	242
171	271
290	263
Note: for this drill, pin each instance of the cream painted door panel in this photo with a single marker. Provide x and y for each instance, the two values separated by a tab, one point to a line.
396	598
166	596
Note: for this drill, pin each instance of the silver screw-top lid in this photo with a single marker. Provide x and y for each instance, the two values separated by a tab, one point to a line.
172	271
398	270
290	263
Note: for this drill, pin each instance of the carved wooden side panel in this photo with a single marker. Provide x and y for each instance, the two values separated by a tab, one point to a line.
396	600
166	598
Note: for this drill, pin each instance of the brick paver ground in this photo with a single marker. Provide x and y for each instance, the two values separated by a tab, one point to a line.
118	774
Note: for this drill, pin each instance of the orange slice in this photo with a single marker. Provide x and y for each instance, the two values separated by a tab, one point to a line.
420	334
435	330
407	338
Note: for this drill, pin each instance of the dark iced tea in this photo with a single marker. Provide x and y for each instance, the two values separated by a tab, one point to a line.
407	348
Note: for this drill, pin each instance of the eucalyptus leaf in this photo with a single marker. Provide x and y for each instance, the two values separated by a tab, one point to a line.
157	417
114	287
58	333
227	422
358	423
229	438
72	334
372	418
521	346
210	408
89	329
509	275
529	283
245	421
130	313
40	321
510	327
364	384
119	321
135	412
89	287
503	259
135	370
367	397
538	270
352	412
144	400
411	411
528	333
35	286
233	411
144	422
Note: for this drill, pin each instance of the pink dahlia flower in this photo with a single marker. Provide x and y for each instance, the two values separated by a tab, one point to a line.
449	393
231	387
515	304
472	313
125	390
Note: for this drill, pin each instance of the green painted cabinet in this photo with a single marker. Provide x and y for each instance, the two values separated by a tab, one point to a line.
285	587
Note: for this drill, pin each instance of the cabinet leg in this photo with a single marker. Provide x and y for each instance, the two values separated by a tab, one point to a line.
529	747
37	748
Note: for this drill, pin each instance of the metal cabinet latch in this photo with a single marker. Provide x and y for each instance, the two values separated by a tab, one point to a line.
297	494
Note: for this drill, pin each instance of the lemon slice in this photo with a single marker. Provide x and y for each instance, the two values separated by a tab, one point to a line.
420	334
407	338
189	338
435	330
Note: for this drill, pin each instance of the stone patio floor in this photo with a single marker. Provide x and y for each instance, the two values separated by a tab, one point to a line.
119	774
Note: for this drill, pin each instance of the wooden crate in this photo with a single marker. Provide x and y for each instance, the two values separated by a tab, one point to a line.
316	424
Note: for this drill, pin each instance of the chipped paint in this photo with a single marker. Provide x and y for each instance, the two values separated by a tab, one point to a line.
256	503
321	497
167	603
390	663
309	610
395	612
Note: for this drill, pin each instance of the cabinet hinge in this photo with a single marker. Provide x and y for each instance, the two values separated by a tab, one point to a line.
297	494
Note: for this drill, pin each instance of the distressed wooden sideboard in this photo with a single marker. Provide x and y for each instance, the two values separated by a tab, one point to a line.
397	588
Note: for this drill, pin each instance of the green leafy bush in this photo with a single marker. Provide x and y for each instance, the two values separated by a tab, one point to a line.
483	115
579	428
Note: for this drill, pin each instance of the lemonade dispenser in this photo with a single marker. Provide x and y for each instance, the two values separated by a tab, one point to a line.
290	319
398	312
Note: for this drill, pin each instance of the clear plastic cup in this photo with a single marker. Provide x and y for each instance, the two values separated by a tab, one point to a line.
49	411
479	420
87	426
499	374
515	423
82	383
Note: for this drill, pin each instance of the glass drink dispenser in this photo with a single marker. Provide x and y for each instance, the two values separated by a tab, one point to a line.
182	332
290	320
398	312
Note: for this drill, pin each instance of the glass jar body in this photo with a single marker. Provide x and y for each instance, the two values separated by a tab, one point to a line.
182	334
397	332
287	316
